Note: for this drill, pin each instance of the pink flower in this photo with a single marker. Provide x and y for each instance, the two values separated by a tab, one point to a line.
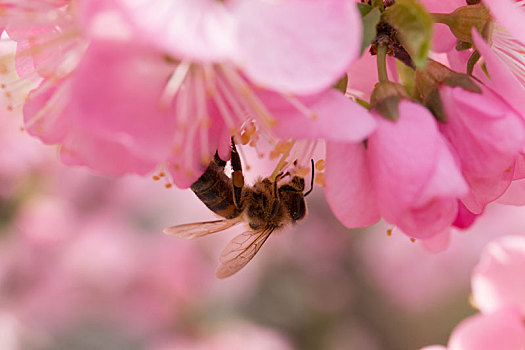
509	14
487	135
498	280
189	80
503	330
498	287
405	173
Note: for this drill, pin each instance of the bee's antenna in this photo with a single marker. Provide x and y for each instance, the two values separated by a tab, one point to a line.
312	180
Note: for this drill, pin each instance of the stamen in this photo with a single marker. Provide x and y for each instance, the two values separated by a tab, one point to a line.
301	107
254	102
319	179
56	103
202	117
282	162
239	112
174	84
320	165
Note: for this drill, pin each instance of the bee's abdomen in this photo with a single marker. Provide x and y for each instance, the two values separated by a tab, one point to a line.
215	190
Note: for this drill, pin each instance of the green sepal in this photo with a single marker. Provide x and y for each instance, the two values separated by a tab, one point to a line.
414	25
463	45
389	108
434	103
364	8
463	81
341	84
472	60
370	21
385	99
406	76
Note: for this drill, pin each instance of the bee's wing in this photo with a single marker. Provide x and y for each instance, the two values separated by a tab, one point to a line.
199	229
240	250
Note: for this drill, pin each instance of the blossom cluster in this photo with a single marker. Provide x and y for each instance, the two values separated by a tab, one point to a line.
418	106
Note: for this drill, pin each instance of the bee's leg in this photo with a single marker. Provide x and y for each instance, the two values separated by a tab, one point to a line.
237	176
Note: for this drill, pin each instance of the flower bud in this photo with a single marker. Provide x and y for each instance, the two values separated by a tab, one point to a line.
435	75
386	97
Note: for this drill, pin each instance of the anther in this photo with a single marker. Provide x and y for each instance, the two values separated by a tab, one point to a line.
156	178
412	240
320	164
389	232
319	180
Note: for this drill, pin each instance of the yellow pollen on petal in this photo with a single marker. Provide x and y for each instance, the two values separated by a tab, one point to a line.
188	173
283	147
274	155
320	165
302	172
205	123
205	160
319	180
176	167
176	148
245	138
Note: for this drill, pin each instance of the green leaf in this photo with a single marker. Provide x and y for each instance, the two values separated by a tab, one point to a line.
414	26
370	21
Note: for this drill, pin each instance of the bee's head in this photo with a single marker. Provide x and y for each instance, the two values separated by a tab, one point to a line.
292	198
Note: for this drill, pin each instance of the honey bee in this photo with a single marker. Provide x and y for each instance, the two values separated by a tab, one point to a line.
265	207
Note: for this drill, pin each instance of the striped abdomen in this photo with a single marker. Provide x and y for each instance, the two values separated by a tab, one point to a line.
215	190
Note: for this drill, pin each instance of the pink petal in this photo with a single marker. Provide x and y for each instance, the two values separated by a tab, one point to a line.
502	80
515	194
502	330
200	30
415	176
297	46
484	190
485	132
45	114
443	40
362	76
499	279
465	217
116	94
103	155
187	164
348	190
438	242
337	118
509	15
